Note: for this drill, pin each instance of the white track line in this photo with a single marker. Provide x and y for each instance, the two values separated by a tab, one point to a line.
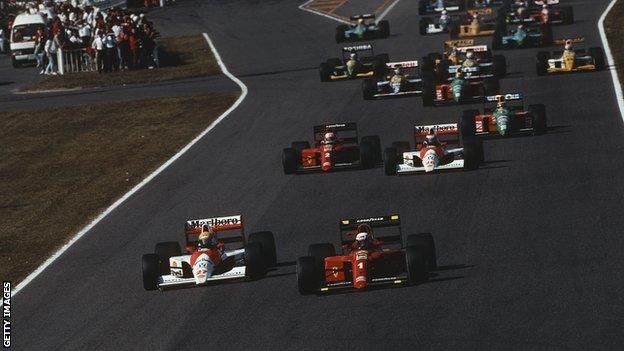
302	7
611	62
383	14
154	174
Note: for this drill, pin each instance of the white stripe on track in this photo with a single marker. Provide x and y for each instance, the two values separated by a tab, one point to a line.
153	175
610	61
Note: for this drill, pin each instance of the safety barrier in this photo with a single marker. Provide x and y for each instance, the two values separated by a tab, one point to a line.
71	61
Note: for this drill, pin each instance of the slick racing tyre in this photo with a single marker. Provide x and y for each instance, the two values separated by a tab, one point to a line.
390	161
267	241
290	160
368	89
340	33
416	265
538	113
500	66
325	72
165	250
541	66
424	24
376	143
473	154
320	252
307	277
384	29
151	271
598	55
425	240
467	125
367	155
254	261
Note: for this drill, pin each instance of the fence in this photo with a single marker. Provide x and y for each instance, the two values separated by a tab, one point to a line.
71	61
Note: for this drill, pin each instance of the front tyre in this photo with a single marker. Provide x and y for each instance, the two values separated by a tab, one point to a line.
307	276
416	265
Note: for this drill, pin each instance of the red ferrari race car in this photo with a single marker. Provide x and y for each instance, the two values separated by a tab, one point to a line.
437	147
372	253
216	251
504	115
335	147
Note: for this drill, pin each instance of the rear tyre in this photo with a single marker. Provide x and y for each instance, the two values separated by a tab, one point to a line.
151	268
538	113
368	89
428	94
325	72
599	59
491	86
473	154
416	265
467	125
320	252
164	251
367	155
290	160
384	29
254	261
422	7
568	15
376	143
307	276
390	161
423	24
340	33
267	241
541	67
15	63
497	42
500	66
425	240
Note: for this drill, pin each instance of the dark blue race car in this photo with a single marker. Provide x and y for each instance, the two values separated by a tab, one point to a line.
362	30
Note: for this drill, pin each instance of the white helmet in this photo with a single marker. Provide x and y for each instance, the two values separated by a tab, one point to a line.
330	136
444	12
353	55
469	54
360	237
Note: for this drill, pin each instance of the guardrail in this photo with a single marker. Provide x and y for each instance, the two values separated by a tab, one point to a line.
72	61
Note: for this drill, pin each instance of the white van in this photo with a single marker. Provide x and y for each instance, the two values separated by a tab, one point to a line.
23	38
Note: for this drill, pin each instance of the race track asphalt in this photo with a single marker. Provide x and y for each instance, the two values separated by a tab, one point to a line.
529	245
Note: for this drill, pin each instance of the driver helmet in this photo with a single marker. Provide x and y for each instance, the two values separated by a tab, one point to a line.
459	74
520	26
469	55
545	7
207	237
397	70
360	21
329	137
431	139
500	101
353	56
568	45
444	12
364	235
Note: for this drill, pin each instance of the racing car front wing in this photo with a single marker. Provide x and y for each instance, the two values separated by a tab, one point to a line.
169	280
403	168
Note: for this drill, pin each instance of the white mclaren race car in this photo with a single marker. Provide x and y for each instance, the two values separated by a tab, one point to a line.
216	250
437	148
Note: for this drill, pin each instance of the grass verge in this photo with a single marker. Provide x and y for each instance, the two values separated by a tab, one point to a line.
614	28
60	167
180	57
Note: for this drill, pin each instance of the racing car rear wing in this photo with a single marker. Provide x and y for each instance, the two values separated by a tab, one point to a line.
506	97
220	225
446	133
402	64
388	235
480	12
364	16
458	43
346	131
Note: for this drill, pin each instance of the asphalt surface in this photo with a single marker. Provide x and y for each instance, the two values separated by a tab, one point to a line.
530	244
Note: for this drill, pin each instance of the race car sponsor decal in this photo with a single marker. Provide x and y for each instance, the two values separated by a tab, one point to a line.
402	64
494	98
362	255
371	219
439	128
335	125
358	47
459	43
215	222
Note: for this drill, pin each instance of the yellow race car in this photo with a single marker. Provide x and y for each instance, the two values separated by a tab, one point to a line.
570	59
479	23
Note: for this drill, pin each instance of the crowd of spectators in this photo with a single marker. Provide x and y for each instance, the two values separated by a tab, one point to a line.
115	39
